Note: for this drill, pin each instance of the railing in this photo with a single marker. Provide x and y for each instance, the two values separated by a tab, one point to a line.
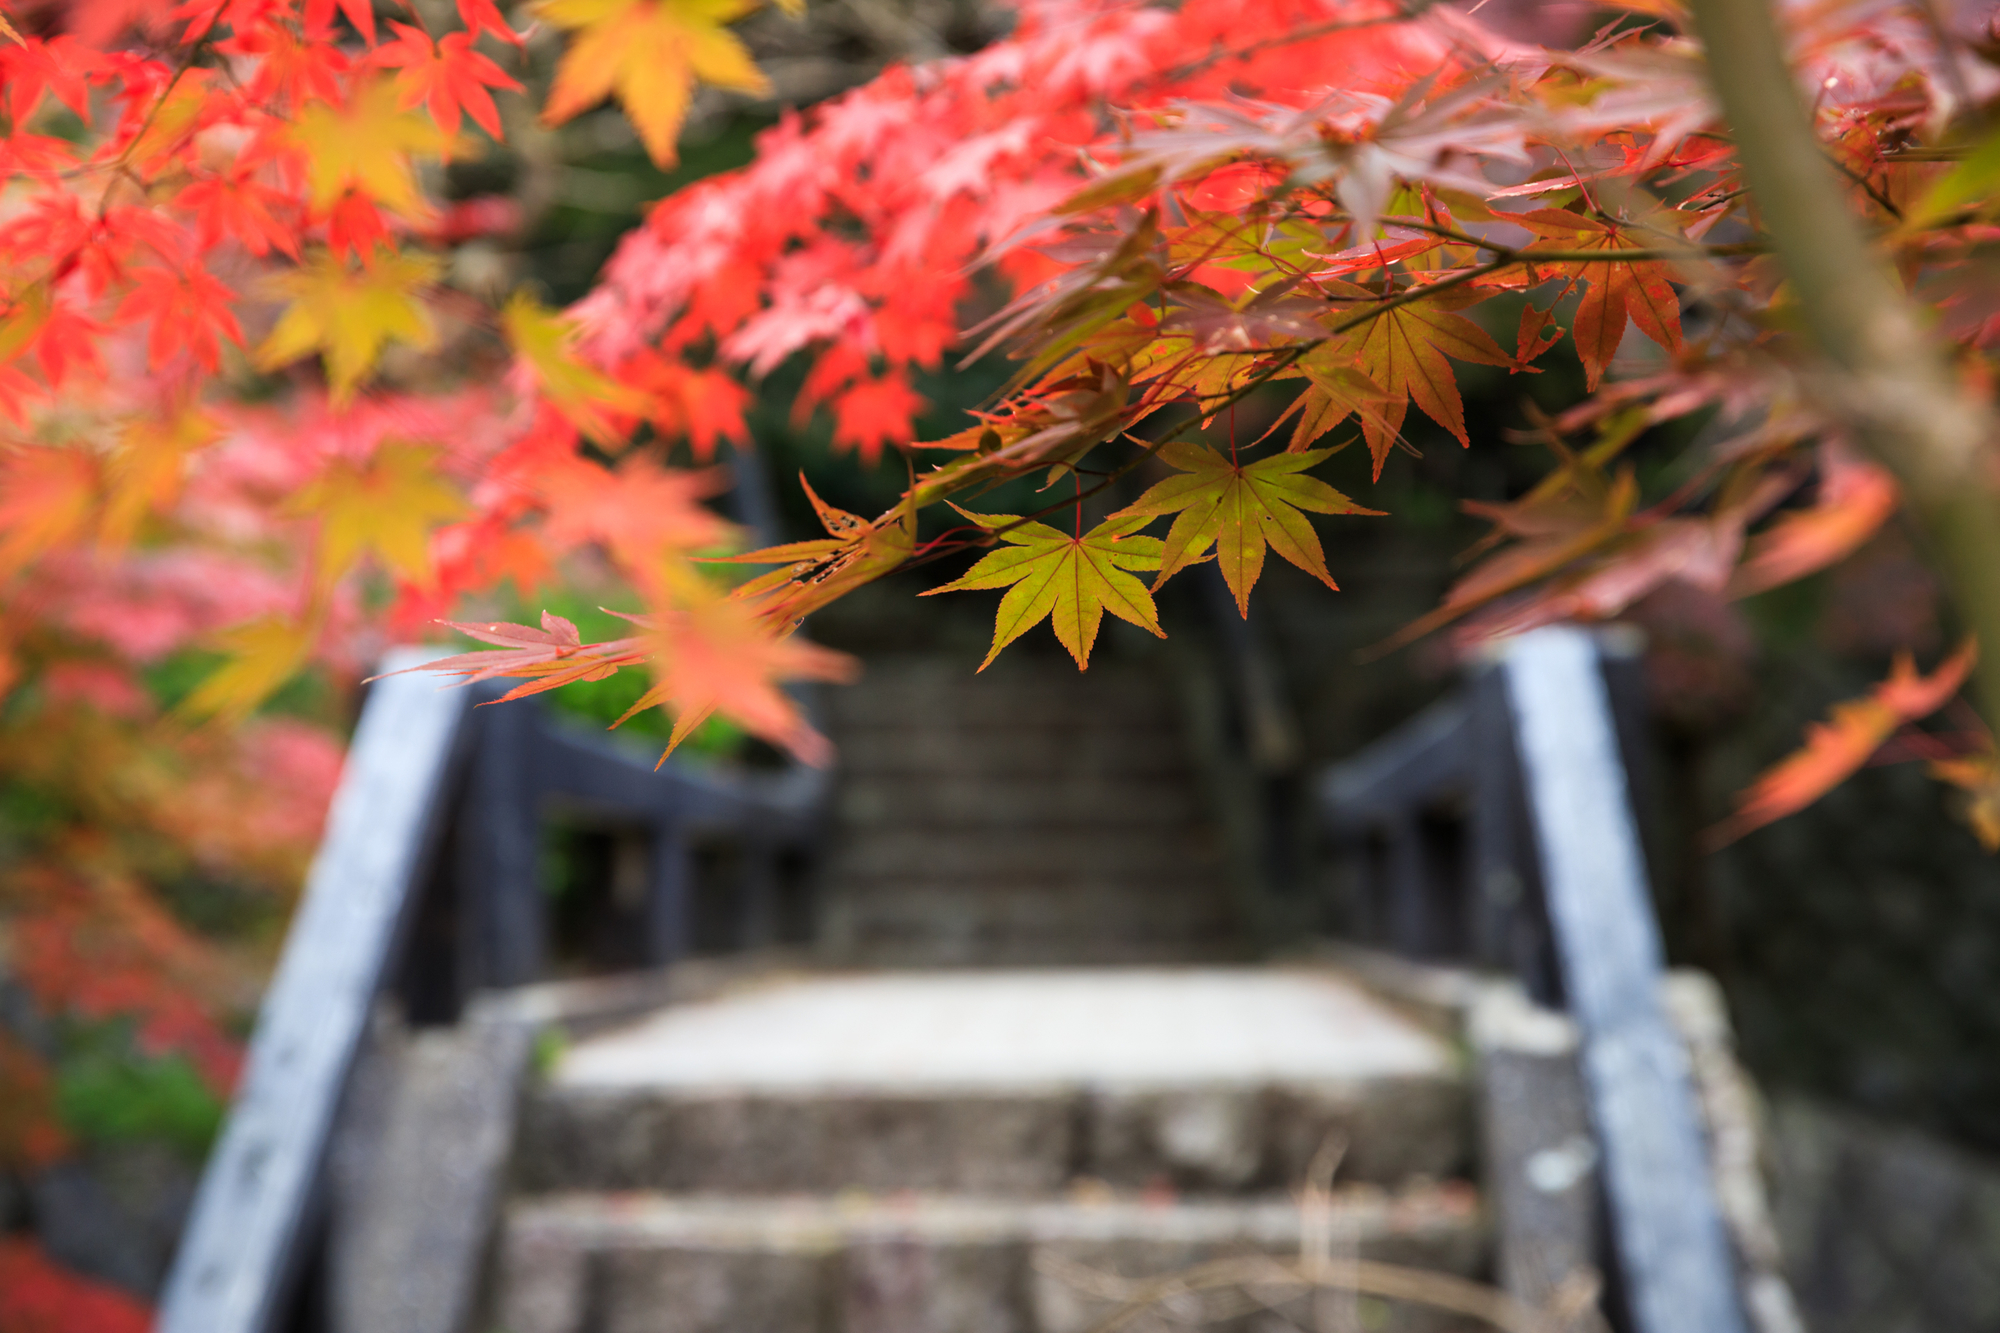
1498	829
427	885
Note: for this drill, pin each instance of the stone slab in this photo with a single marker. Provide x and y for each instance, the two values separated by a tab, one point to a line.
1006	1030
664	1264
1012	1082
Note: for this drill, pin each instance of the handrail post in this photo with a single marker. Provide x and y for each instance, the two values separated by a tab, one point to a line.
243	1245
1674	1256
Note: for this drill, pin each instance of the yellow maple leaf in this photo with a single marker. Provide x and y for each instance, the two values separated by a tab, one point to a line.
542	339
145	471
387	505
648	54
366	146
262	656
350	312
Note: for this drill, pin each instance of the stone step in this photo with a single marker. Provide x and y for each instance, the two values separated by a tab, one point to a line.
1057	917
1001	1082
917	692
1032	805
657	1263
1010	750
1137	857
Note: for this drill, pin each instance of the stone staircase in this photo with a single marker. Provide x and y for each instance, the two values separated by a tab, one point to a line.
980	1151
1030	814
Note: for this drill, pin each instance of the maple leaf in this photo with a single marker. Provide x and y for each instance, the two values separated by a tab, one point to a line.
350	312
47	499
1403	351
551	656
1855	499
145	472
648	54
190	308
1333	393
387	505
1978	776
262	656
590	399
704	406
1239	508
711	655
171	122
1836	748
1070	581
365	146
876	412
641	513
481	16
820	572
361	13
450	78
1617	292
235	205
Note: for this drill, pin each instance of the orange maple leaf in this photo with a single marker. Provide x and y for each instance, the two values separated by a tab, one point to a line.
1402	351
1836	748
1617	291
716	655
48	497
641	513
1855	499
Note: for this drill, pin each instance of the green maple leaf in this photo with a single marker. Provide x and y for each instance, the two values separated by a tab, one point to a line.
1071	581
1239	509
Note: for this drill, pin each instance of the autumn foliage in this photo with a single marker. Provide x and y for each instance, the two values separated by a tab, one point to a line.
254	408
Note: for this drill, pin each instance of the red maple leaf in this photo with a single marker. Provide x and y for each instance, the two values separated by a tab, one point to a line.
876	412
449	78
361	13
701	406
189	308
481	16
233	204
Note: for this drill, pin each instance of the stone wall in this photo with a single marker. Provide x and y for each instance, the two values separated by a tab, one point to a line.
1884	1229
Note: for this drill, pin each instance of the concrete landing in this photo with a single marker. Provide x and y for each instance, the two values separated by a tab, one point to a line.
1014	1030
1211	1080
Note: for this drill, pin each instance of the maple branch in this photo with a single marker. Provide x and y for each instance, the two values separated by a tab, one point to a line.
1892	382
1634	255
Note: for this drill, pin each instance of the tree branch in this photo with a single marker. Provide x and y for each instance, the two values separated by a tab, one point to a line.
1889	377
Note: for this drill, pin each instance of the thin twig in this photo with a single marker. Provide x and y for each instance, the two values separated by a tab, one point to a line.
1367	1277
